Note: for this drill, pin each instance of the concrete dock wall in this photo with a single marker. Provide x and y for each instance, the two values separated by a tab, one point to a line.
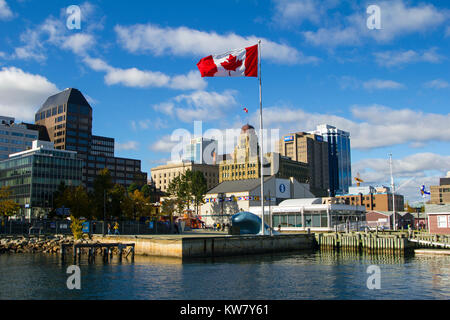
203	247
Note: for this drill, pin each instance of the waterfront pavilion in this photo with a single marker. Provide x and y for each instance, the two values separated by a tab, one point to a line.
316	214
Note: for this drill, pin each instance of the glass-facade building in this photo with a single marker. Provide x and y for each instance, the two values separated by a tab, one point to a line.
339	158
14	137
34	175
201	151
68	119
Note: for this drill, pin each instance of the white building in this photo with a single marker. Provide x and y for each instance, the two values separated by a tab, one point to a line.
14	137
230	197
316	214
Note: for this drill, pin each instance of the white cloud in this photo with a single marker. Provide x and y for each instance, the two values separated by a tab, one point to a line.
198	105
396	58
145	124
133	77
374	126
348	82
437	84
51	32
410	172
79	43
5	11
22	93
397	19
165	144
290	13
183	41
127	146
377	84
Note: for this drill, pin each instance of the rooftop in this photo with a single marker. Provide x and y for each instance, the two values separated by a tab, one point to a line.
69	95
237	185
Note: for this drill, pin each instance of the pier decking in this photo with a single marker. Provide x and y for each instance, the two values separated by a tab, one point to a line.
204	246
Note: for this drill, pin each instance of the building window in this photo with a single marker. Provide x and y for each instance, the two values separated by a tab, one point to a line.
442	221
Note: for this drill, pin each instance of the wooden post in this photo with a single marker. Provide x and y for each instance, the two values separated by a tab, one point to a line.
74	254
63	252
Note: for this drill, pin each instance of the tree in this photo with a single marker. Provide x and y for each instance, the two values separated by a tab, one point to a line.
168	207
141	204
146	190
118	196
77	200
102	185
178	191
198	188
8	207
76	227
133	187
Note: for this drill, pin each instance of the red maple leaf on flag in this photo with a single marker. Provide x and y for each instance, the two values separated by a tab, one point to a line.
231	64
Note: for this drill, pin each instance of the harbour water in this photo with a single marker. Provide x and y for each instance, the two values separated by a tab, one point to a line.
314	275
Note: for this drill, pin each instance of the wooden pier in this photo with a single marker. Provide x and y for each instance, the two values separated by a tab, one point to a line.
364	241
106	250
426	240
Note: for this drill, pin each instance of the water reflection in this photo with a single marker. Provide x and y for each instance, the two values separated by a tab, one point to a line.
306	275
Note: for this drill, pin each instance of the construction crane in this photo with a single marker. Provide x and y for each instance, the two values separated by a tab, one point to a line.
358	180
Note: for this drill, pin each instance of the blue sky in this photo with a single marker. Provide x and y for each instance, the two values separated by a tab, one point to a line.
136	62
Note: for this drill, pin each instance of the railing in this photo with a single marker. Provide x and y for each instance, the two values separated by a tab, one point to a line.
430	240
351	226
39	227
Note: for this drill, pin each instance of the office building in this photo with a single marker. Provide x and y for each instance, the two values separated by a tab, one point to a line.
201	151
164	174
313	150
441	194
339	158
34	175
371	199
15	137
244	162
68	119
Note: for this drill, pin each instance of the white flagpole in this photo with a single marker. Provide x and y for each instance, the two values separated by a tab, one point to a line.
262	143
393	194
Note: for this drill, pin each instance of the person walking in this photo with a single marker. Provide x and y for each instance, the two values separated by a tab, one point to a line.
109	228
116	228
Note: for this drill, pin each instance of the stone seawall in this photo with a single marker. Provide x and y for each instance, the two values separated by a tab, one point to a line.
216	246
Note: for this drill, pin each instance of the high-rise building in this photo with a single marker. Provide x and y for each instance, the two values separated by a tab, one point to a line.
201	151
244	163
313	150
34	175
339	158
68	119
14	137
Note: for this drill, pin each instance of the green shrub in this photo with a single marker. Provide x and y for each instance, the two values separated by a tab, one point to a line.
76	227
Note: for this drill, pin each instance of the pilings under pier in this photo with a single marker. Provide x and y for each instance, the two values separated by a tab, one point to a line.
106	250
365	241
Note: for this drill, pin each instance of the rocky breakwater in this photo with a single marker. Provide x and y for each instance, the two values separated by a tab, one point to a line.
24	244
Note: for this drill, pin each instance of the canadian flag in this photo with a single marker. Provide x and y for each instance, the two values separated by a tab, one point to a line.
235	63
